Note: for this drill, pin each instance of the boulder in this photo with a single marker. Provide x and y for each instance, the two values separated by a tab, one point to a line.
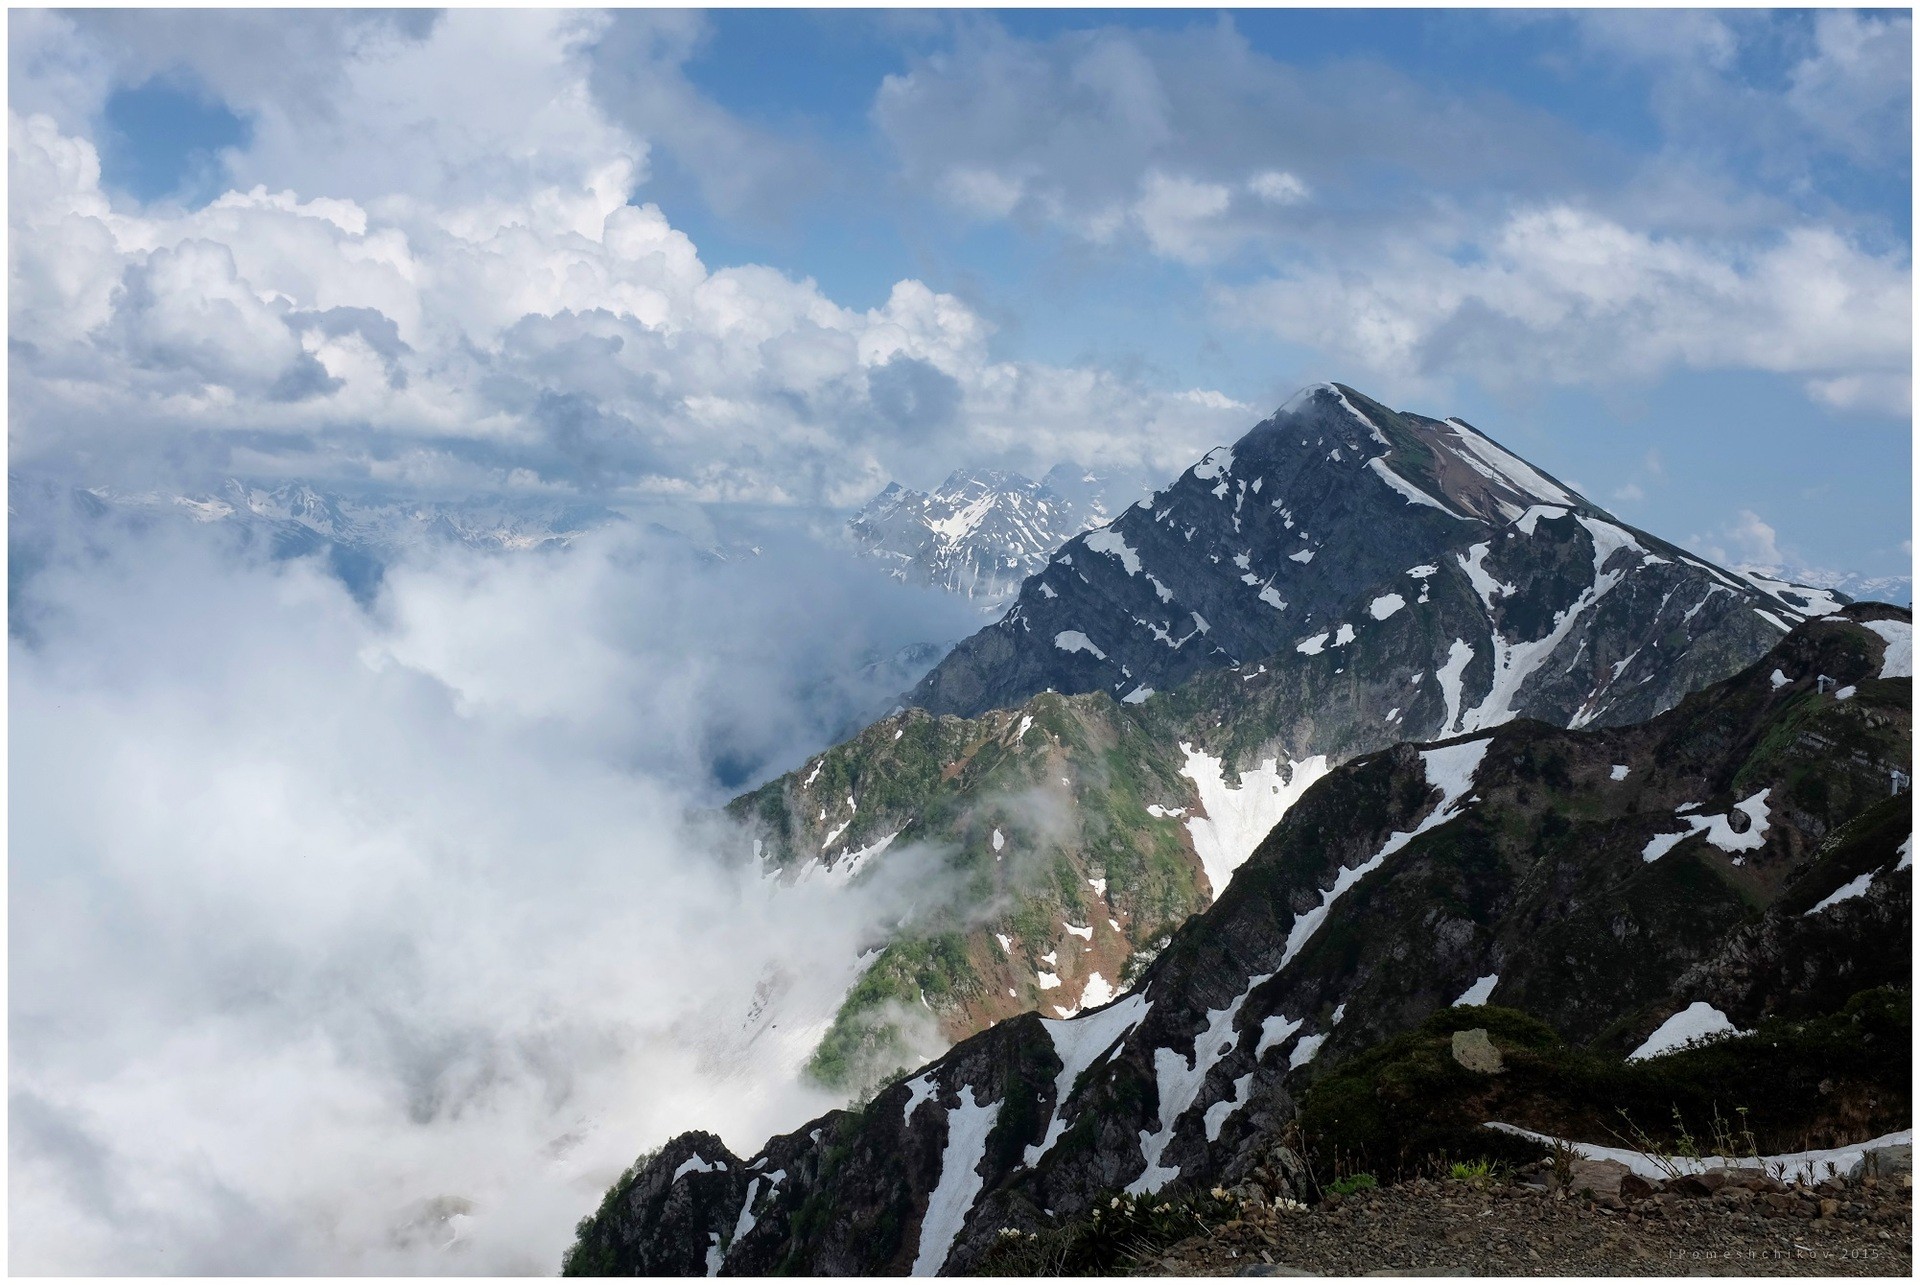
1473	1050
1601	1177
1883	1163
1697	1186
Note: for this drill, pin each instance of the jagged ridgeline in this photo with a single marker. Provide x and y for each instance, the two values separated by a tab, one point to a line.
1737	867
1094	766
981	532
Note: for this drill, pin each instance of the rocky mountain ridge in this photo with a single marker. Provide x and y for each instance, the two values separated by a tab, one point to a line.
1745	854
1096	814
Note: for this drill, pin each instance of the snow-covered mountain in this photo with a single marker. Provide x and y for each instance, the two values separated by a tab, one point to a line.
1342	579
1439	550
1897	590
983	531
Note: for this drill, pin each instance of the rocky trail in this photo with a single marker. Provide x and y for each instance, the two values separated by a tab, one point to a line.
1532	1226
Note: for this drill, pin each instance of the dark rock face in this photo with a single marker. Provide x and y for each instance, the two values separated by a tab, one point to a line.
1338	516
1587	877
666	1214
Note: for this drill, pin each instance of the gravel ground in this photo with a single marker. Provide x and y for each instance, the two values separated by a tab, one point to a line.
1429	1227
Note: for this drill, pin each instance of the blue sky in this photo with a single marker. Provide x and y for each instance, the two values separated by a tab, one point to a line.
1665	254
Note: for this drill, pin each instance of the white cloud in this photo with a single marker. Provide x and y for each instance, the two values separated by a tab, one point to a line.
1419	233
1856	87
639	79
1564	295
429	268
329	923
1187	142
1873	392
1215	399
1748	541
1276	187
1689	38
1175	213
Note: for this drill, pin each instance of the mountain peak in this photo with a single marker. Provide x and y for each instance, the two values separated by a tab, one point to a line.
1322	517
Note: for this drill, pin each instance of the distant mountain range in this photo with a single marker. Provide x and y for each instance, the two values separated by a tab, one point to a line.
982	532
301	516
357	535
1897	590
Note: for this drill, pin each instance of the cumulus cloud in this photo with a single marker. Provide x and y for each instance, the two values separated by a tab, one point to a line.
431	265
1196	146
638	76
1842	91
1564	295
1414	235
381	941
1748	541
1855	88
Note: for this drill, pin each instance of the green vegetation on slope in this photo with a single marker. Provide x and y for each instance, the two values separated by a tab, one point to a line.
1813	1082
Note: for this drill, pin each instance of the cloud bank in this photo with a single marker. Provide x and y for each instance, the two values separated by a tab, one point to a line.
350	941
431	273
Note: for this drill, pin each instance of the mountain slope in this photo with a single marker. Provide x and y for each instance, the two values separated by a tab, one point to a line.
1081	829
1750	849
1337	510
981	532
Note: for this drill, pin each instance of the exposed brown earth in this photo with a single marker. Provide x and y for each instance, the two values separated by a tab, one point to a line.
1447	1227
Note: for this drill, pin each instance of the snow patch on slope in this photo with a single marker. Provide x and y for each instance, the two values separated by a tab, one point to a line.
1697	1023
1236	820
1110	542
1450	770
1719	830
1513	470
1072	640
968	1124
1078	1043
1459	652
1180	1081
1407	490
1789	1166
695	1164
1898	662
1855	887
842	872
1476	994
